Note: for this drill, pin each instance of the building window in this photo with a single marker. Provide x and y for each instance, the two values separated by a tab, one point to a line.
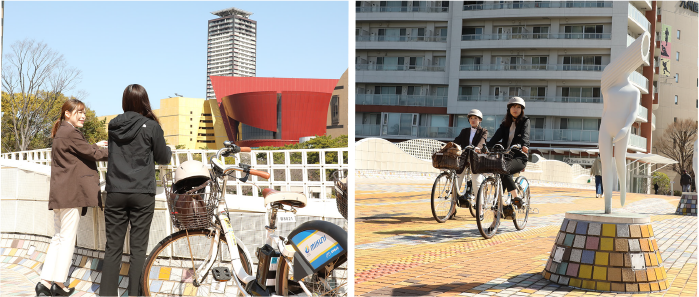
677	77
335	110
677	56
675	119
678	34
675	99
190	126
190	112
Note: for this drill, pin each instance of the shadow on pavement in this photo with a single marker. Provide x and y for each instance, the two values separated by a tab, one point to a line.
425	290
394	220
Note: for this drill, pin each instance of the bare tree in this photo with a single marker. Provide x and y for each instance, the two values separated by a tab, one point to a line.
677	143
33	78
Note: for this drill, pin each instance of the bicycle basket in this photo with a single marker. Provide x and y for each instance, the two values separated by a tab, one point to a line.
341	192
447	157
498	163
193	209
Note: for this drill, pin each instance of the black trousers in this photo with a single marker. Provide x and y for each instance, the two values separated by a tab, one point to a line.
120	210
516	165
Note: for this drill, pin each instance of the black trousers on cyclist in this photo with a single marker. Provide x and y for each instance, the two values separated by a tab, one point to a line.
516	165
122	209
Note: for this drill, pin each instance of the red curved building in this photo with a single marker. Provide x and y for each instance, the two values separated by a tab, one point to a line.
268	111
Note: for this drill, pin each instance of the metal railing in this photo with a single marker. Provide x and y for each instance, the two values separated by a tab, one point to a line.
652	121
401	100
639	17
564	135
639	79
540	4
638	142
526	36
365	130
642	113
531	67
384	67
401	9
531	99
385	38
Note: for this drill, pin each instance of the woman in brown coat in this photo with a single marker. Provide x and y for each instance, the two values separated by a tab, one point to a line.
74	185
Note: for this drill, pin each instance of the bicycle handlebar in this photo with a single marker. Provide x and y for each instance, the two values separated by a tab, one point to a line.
229	149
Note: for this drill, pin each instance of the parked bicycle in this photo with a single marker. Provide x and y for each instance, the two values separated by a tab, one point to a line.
446	196
205	256
490	207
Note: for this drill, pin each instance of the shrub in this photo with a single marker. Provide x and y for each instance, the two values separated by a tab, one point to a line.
663	182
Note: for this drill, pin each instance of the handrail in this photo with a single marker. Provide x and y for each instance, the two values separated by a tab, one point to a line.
527	36
541	4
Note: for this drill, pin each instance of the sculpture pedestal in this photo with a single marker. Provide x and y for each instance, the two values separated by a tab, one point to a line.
687	205
607	253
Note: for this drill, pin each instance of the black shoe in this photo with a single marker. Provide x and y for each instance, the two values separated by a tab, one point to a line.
42	290
58	291
517	201
507	211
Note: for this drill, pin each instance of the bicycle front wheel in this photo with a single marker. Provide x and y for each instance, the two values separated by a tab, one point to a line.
322	283
442	200
168	269
488	208
521	213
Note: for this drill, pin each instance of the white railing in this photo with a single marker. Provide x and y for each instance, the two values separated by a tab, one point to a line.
639	80
638	142
652	121
642	113
539	4
638	16
536	36
308	171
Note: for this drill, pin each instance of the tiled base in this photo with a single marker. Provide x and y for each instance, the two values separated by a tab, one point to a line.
607	257
687	205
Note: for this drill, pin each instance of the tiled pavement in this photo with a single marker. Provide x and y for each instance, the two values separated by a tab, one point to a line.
402	251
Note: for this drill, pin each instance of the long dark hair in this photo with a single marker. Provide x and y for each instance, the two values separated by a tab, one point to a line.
507	121
70	105
136	99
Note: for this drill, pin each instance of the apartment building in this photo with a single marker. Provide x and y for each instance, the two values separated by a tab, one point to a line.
422	65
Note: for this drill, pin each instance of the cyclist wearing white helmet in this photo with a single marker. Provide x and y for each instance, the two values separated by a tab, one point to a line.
474	135
513	130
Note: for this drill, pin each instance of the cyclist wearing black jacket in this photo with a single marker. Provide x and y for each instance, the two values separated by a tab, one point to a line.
513	130
136	143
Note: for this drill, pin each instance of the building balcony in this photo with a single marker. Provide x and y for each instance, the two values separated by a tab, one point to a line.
404	9
383	38
381	67
640	81
375	130
637	20
536	36
401	100
564	135
530	67
539	4
644	4
642	114
637	143
652	121
531	99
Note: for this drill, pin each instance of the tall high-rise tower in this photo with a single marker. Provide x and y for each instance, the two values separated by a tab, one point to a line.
232	45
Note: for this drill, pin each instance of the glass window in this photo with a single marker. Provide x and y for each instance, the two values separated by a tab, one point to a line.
677	56
439	120
677	77
469	90
462	121
678	34
590	124
675	99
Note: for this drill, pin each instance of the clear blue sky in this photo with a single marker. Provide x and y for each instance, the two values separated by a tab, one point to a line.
162	45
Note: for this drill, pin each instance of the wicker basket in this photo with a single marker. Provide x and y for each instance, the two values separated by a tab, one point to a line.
447	157
192	210
498	163
340	192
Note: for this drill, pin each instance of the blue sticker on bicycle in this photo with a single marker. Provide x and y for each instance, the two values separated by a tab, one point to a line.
316	247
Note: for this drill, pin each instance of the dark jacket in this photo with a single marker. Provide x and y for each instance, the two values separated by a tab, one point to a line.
686	179
74	177
521	136
136	143
463	140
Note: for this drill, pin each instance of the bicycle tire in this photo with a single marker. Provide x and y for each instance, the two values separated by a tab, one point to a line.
521	214
183	263
442	190
285	287
488	208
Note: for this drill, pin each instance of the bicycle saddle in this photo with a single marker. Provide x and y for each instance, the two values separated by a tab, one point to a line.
293	199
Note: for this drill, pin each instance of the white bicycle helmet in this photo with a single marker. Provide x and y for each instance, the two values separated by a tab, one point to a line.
475	112
190	174
516	100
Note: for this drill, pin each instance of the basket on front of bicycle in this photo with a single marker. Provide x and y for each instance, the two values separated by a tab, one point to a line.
497	162
340	192
190	207
448	157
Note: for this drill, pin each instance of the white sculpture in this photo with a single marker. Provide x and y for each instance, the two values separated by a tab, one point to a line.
695	164
620	105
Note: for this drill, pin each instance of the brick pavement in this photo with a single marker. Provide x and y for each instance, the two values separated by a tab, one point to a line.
402	251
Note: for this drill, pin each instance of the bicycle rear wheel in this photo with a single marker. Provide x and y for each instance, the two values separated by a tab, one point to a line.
488	208
322	283
168	268
521	214
443	200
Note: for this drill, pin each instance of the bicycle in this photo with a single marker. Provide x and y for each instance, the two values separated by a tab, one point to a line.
445	195
489	204
203	260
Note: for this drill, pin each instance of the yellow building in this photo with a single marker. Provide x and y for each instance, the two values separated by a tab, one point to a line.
338	109
190	123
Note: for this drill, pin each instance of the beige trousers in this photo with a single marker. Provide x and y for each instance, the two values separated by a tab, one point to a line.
60	253
476	181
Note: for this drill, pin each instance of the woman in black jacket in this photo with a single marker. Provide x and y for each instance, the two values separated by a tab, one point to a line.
474	135
513	130
136	143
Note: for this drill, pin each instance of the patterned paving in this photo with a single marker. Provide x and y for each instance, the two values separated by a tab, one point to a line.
401	250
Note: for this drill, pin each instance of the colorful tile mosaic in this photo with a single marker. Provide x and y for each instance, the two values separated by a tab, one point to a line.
606	257
687	205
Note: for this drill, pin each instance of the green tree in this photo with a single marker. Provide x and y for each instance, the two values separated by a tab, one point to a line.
93	128
662	180
319	142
